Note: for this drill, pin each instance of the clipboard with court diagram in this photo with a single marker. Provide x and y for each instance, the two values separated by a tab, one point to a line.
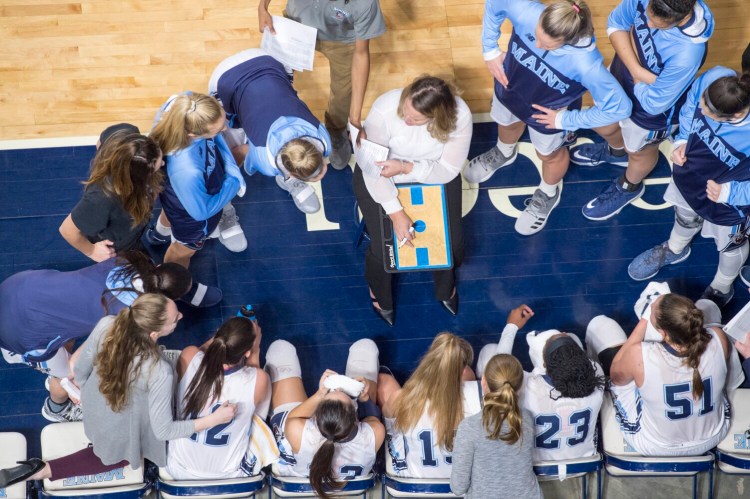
426	206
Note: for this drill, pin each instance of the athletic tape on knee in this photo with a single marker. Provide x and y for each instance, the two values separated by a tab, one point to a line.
363	360
282	361
602	333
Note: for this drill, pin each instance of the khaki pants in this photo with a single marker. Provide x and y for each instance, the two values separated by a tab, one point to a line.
339	57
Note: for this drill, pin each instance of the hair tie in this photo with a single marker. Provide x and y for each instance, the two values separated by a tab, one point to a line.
576	8
193	107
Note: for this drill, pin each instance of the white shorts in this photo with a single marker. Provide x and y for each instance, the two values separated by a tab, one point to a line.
57	366
636	138
543	143
721	234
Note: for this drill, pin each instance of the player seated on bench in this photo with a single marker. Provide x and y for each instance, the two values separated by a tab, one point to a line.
668	378
563	393
227	365
330	436
421	418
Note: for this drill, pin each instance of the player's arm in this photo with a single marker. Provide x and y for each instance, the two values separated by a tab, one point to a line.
377	428
627	365
517	318
495	12
725	345
671	83
189	185
262	386
186	357
611	103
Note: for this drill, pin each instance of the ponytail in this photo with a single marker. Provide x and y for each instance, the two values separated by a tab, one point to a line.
728	96
567	20
336	422
682	321
187	114
230	343
504	377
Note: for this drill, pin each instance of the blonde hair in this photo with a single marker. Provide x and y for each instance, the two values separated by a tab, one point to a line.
437	381
301	158
125	168
504	377
127	345
435	99
568	20
187	114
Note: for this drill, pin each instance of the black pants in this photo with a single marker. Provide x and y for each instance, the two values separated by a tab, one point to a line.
379	280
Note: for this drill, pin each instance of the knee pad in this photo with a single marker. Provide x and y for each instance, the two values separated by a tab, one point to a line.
363	360
485	354
688	221
711	311
602	333
282	361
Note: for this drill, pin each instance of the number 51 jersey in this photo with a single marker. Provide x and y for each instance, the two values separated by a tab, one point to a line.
564	428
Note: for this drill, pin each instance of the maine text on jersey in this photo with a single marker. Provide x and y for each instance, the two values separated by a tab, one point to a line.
539	68
715	143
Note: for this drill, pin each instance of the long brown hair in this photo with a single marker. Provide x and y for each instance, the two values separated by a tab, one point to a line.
504	377
127	345
336	421
125	168
437	382
435	99
187	114
230	343
682	321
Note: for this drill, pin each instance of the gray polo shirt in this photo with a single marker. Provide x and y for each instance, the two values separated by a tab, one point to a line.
338	20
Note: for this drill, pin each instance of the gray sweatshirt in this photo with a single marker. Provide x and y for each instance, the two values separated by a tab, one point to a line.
484	468
144	425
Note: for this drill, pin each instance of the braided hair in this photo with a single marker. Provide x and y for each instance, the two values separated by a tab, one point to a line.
572	373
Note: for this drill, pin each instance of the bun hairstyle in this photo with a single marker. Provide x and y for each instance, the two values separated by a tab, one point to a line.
504	377
682	322
125	168
567	20
188	114
729	95
336	421
301	158
435	99
230	343
127	345
572	373
437	382
671	11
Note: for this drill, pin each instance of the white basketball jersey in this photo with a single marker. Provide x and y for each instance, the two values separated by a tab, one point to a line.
217	452
350	459
564	428
417	453
667	415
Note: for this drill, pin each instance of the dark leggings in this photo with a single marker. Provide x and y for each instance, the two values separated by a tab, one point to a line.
81	463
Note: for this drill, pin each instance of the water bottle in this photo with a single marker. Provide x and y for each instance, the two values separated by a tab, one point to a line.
247	311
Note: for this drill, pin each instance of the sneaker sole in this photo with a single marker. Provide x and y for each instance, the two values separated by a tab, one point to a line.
545	220
657	270
599	219
491	173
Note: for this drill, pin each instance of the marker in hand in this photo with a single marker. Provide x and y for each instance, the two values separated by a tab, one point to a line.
411	232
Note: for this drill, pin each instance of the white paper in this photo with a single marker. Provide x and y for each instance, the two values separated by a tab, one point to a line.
293	44
740	324
367	153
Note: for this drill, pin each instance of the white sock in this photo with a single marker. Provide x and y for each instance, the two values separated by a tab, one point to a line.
730	263
505	149
282	361
549	189
163	229
363	360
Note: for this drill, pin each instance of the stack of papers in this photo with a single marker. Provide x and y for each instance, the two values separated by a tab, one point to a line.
367	153
293	45
739	326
